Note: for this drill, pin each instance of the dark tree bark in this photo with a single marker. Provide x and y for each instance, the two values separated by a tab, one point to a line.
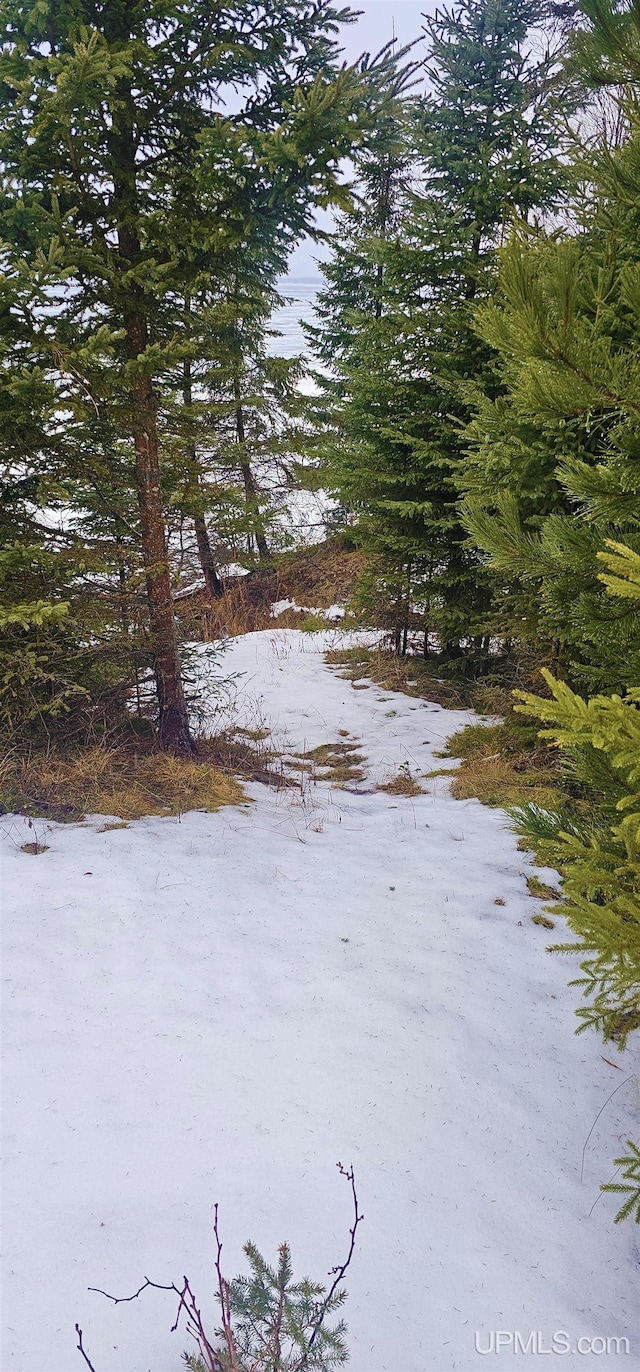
211	579
250	488
173	721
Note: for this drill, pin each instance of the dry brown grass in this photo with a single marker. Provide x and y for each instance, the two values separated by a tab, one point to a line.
421	678
543	921
113	781
402	785
245	753
339	763
233	615
496	782
541	890
501	764
412	676
319	576
236	614
504	765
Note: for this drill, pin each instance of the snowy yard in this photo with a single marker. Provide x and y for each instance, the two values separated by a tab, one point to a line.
221	1007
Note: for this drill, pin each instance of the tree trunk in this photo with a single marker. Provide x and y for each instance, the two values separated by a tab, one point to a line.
173	721
251	495
211	579
250	488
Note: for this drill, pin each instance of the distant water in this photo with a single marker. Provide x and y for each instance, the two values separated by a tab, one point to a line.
301	292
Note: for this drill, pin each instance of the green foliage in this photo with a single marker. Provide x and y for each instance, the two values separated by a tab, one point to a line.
599	856
273	1318
66	662
396	318
552	496
312	624
143	224
550	477
630	1186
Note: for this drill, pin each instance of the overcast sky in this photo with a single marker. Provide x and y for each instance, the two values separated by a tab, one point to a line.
379	21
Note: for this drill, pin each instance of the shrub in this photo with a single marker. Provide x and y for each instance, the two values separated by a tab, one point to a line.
269	1322
599	855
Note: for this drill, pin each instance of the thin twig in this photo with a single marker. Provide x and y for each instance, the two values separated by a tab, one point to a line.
82	1349
122	1300
336	1272
603	1107
225	1299
601	1192
186	1302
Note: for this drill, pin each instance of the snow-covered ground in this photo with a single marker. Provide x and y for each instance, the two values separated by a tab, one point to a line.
221	1007
334	612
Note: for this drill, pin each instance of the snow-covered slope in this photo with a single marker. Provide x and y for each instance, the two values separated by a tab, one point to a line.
222	1007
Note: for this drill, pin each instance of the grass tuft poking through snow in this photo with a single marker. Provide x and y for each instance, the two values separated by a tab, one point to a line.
541	889
402	785
338	763
113	781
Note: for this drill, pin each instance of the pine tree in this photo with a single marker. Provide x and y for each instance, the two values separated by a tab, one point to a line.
274	1317
396	318
243	418
553	497
551	475
65	662
598	854
120	158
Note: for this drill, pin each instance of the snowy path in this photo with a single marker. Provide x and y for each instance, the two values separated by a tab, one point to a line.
220	1008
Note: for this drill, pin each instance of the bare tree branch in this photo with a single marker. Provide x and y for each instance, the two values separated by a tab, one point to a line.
194	1323
336	1272
83	1351
228	1360
122	1300
225	1301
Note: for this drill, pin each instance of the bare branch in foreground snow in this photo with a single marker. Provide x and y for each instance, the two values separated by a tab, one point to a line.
336	1272
82	1349
228	1357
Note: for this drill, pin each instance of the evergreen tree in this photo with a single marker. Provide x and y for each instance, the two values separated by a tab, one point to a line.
598	847
551	473
242	422
567	328
598	856
123	165
68	649
396	319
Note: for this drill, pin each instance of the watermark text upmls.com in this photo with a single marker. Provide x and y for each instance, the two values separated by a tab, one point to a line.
535	1342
